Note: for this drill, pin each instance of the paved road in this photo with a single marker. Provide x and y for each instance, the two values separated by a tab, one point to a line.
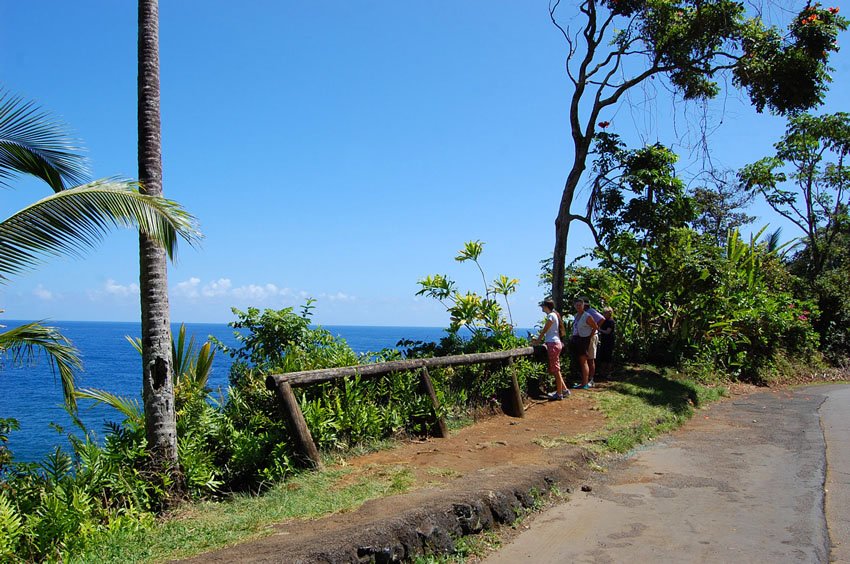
762	478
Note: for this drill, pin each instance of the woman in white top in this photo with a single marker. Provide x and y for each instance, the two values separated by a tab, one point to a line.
551	336
584	328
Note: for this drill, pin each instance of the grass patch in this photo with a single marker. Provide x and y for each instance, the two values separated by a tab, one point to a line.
647	404
459	421
473	546
444	472
206	526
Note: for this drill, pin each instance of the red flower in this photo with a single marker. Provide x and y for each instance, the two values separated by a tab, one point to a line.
573	279
833	10
604	124
802	317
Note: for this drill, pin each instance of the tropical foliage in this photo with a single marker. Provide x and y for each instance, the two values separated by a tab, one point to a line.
67	222
720	205
615	47
688	290
806	182
681	298
481	315
23	344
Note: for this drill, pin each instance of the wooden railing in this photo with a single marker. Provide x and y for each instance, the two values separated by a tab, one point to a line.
282	385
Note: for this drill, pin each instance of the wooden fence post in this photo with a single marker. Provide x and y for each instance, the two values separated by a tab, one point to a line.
297	424
428	387
515	405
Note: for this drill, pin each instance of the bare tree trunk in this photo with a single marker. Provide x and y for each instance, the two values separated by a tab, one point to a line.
157	382
562	227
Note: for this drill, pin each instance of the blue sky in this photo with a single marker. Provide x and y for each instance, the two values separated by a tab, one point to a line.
333	150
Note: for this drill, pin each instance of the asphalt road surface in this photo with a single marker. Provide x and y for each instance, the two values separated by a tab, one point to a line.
761	478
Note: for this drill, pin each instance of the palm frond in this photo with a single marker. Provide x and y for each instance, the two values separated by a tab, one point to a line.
128	407
203	365
24	343
32	142
136	342
191	369
75	219
181	352
773	240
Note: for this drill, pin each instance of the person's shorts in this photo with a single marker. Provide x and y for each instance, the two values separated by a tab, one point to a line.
579	346
554	351
591	347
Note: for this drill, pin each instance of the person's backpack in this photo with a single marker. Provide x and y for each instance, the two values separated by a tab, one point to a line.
562	329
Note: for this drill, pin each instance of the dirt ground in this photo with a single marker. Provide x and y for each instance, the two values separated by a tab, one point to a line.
496	454
495	440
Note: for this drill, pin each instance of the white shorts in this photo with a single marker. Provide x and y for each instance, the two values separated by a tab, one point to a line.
591	348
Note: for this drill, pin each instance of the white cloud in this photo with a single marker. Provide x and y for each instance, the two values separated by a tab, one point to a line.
338	297
219	287
188	288
116	289
42	293
194	288
259	292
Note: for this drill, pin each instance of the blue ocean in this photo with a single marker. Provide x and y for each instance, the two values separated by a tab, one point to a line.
32	394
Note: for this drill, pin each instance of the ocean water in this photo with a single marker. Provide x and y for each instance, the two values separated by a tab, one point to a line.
33	394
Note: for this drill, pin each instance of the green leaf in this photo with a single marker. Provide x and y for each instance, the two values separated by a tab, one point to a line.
78	218
31	142
23	343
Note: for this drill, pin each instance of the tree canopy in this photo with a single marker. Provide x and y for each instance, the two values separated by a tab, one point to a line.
615	46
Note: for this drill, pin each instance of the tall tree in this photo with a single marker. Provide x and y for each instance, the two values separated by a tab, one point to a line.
157	369
720	204
807	182
621	44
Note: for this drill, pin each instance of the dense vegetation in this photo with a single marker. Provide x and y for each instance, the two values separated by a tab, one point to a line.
688	290
71	501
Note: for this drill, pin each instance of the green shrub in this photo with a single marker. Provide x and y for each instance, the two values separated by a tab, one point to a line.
716	312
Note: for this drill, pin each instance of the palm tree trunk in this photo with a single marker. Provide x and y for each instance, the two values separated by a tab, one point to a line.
158	389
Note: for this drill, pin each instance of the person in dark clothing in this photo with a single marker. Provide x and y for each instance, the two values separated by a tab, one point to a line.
605	354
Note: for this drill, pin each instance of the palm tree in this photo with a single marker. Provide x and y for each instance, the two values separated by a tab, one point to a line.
69	221
157	368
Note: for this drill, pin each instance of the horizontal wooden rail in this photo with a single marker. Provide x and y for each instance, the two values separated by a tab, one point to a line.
281	385
308	377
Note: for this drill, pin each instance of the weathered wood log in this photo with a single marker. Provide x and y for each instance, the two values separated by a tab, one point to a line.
428	388
297	425
308	377
515	405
